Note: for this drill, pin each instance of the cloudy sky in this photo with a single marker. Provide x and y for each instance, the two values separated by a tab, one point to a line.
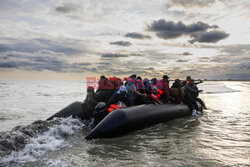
73	39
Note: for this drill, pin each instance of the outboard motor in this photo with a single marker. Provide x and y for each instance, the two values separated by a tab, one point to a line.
99	113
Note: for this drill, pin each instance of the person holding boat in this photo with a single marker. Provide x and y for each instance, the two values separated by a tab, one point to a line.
195	95
188	91
89	102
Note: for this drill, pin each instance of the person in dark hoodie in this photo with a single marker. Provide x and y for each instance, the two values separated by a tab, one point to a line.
176	84
121	95
188	91
147	86
195	95
89	102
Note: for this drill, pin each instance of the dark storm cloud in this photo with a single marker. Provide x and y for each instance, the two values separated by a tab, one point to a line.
150	68
204	59
114	55
182	61
117	55
208	37
39	61
103	63
82	64
66	8
192	3
136	35
197	31
121	43
187	53
37	44
236	50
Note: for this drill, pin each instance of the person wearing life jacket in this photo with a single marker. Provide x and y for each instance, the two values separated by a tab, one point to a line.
157	96
130	84
105	90
101	112
188	79
116	82
163	85
153	82
121	95
140	87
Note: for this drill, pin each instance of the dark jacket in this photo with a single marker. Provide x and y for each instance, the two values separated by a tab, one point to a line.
139	99
176	85
189	91
89	104
127	99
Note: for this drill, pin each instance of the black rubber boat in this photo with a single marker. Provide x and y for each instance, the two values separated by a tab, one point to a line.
76	110
122	121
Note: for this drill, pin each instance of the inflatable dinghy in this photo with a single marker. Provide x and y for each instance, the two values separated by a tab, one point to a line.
76	110
122	121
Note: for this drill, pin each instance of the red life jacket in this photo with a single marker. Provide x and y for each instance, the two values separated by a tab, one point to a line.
139	83
163	86
116	82
156	97
113	107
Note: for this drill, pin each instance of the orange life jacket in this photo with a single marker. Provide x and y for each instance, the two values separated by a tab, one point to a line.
113	107
156	97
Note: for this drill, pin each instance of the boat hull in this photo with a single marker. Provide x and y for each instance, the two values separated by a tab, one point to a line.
122	121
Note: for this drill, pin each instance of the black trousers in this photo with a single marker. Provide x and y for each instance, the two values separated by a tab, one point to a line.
200	101
190	102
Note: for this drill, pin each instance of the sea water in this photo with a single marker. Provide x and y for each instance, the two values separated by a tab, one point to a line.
220	137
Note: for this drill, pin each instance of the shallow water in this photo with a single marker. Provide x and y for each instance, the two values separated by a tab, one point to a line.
220	137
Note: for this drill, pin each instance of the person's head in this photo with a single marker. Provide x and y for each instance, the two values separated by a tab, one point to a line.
102	77
153	81
90	89
123	90
188	78
177	81
139	78
155	90
133	76
165	77
100	106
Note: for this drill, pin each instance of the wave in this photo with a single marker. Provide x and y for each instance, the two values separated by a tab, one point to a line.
27	143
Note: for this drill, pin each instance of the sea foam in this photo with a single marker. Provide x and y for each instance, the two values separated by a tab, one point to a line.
51	139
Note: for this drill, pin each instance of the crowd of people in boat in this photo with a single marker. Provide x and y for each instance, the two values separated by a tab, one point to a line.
114	93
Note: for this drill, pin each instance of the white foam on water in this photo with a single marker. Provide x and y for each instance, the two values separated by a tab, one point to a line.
56	163
51	140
